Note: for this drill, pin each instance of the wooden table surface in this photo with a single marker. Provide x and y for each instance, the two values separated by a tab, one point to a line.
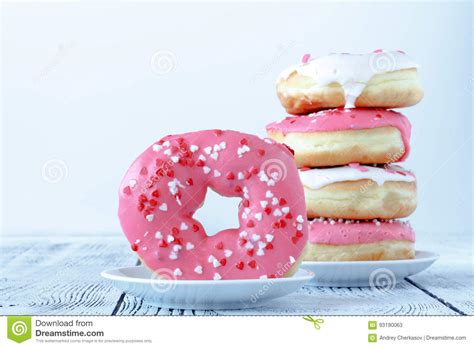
55	275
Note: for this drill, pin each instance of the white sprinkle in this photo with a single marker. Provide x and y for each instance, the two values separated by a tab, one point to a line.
271	182
170	238
268	194
243	234
145	234
156	147
249	245
132	183
292	259
150	217
166	143
206	169
163	207
258	216
144	248
214	155
269	237
194	148
217	148
173	255
243	149
274	201
158	235
189	246
137	241
240	176
263	277
223	145
299	218
183	226
177	247
202	157
217	173
198	269
260	252
208	150
277	212
285	209
167	152
211	258
332	222
255	237
175	159
217	276
261	244
216	263
299	227
177	272
263	204
227	253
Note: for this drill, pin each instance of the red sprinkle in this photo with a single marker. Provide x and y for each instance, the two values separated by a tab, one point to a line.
189	182
127	190
155	194
305	59
195	228
142	198
267	210
144	171
223	262
170	173
230	176
162	244
175	231
252	264
200	163
253	170
261	152
220	245
294	239
269	246
134	247
242	241
299	234
237	189
246	203
218	132
250	223
153	202
282	201
288	216
240	265
244	141
250	252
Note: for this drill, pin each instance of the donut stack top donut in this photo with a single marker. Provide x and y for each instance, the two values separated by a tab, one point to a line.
351	71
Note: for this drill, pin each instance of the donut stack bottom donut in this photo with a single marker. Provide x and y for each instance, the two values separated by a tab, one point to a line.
345	140
353	240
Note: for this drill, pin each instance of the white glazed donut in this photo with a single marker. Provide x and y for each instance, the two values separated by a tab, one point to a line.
378	79
359	192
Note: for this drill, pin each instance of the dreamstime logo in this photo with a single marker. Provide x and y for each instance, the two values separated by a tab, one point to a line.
382	62
19	328
382	279
164	280
163	62
274	169
54	171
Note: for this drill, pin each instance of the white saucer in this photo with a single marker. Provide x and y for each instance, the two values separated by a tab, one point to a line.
378	274
203	294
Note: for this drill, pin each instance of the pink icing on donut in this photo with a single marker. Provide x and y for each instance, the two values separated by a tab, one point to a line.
346	119
334	232
168	182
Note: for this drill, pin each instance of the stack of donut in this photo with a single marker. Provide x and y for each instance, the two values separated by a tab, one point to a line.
346	142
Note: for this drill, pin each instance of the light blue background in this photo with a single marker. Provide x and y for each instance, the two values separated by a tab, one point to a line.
78	86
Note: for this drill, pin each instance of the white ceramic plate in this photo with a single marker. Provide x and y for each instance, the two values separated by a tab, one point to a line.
203	294
379	274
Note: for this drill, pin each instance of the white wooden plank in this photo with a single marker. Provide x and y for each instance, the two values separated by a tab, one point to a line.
451	278
60	275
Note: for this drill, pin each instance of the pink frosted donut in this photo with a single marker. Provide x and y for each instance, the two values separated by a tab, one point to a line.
341	136
168	182
353	240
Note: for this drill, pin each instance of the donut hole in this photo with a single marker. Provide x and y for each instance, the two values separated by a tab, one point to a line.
218	213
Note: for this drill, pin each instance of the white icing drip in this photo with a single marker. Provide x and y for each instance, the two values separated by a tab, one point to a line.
317	178
351	71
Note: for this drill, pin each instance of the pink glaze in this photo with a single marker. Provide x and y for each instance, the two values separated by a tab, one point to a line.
168	182
345	232
346	119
